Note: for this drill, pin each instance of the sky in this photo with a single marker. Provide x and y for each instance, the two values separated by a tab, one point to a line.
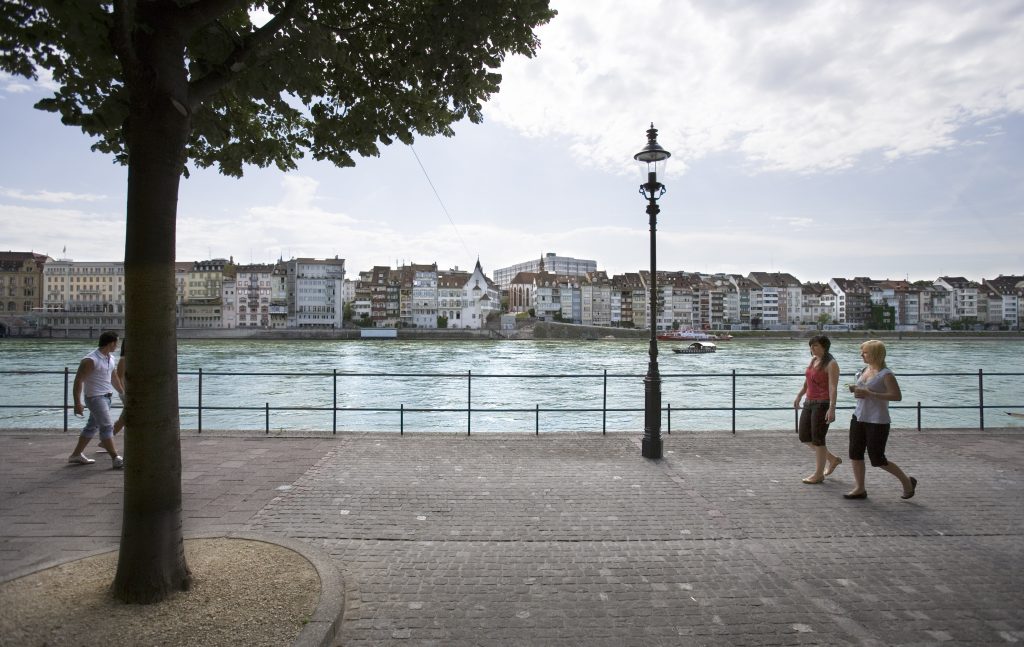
822	138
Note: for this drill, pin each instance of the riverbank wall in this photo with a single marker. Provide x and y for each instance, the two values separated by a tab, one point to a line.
537	330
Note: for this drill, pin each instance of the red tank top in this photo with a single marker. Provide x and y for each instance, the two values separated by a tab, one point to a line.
817	383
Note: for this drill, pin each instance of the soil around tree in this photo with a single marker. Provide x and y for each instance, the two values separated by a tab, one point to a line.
244	592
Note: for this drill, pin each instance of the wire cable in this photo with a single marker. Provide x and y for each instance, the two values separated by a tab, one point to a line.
440	201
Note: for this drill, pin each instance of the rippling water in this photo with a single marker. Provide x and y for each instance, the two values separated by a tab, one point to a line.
545	374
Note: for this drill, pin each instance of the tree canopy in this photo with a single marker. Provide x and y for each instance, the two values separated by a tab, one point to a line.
269	82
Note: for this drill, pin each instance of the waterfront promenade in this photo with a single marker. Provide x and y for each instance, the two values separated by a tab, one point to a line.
574	539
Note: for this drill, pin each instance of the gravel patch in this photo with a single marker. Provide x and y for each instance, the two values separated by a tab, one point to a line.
244	593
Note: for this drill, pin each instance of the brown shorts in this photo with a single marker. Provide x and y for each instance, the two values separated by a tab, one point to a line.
812	427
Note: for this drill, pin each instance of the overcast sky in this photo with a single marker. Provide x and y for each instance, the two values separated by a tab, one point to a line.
813	137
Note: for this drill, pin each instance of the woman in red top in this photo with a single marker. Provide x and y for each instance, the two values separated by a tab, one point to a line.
821	383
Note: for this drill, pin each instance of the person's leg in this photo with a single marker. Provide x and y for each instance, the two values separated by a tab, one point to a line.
833	460
83	442
858	442
893	469
87	434
106	425
858	477
804	429
818	429
119	423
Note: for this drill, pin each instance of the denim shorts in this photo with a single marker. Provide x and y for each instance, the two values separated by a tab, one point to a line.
99	417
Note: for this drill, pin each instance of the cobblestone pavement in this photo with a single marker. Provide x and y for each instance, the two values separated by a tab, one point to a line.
574	539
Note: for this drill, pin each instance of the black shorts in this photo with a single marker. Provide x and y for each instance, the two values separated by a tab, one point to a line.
871	436
812	427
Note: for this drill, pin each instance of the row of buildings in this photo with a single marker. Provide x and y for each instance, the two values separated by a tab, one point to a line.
38	291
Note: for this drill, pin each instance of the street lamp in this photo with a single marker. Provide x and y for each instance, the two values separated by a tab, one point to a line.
652	159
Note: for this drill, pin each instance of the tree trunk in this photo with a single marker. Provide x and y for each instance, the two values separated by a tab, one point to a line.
151	564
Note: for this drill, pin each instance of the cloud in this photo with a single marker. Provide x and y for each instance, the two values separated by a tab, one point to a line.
55	197
88	236
11	84
804	86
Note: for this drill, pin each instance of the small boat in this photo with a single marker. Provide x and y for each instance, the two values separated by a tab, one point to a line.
696	347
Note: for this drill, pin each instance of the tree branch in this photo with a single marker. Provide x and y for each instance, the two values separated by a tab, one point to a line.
253	44
121	35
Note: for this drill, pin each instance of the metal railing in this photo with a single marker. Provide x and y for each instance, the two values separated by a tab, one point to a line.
604	409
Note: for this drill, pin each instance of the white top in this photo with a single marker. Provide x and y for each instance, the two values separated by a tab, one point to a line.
98	381
872	409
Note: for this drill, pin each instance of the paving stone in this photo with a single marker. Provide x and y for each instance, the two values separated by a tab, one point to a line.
570	539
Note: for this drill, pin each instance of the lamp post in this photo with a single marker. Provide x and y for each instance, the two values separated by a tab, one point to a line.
652	159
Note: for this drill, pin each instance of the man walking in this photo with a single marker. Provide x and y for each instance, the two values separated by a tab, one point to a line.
97	379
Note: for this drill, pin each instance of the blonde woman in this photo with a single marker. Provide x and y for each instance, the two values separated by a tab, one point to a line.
876	387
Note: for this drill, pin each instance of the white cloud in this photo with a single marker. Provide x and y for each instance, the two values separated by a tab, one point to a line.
803	86
11	84
88	236
55	197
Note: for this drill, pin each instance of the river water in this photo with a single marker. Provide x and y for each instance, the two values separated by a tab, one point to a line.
523	375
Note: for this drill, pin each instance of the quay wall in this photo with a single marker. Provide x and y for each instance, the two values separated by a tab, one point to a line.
536	330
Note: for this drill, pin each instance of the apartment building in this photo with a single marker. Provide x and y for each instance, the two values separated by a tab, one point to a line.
964	297
83	295
549	262
21	285
314	292
596	299
781	295
279	295
203	302
254	293
817	301
1005	298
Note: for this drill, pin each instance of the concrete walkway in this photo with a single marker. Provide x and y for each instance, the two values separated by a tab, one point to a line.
572	539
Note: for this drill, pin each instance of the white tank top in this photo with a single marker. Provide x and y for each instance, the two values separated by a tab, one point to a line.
98	381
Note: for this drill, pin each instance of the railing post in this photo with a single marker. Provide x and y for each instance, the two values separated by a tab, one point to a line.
334	411
668	427
981	400
734	402
66	398
267	417
401	419
199	407
536	420
469	402
604	405
919	415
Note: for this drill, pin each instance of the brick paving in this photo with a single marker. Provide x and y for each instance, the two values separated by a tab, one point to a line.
574	539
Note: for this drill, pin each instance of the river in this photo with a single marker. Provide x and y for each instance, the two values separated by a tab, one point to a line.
545	374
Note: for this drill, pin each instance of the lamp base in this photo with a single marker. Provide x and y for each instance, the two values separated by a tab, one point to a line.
651	447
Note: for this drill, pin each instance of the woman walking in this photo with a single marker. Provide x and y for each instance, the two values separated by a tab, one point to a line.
869	428
821	381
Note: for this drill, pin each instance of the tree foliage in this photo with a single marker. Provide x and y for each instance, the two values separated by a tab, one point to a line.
328	78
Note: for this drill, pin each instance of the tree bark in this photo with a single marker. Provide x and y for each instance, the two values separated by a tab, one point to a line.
151	564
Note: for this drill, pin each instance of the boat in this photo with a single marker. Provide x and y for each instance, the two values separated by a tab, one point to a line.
696	348
693	335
